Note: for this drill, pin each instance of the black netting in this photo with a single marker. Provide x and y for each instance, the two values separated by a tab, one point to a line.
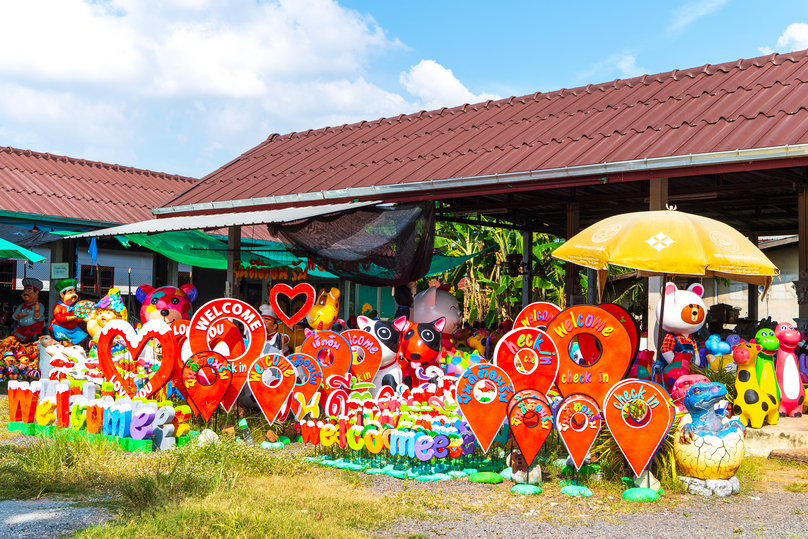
374	246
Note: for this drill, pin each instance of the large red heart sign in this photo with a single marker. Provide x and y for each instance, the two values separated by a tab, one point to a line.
594	351
180	329
530	358
291	293
136	343
206	377
272	380
210	325
639	415
578	420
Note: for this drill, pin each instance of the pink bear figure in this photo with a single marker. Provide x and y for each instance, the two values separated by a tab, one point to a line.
788	371
167	303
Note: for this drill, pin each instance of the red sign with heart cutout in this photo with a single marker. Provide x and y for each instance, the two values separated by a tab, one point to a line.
212	323
639	415
530	358
135	344
331	351
286	290
367	351
536	315
272	380
531	422
483	393
307	382
594	351
206	377
578	420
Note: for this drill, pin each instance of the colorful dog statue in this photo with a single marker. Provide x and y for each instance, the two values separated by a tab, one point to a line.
420	348
434	303
758	398
389	335
792	394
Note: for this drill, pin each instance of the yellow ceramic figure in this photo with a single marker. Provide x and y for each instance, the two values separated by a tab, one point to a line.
325	311
110	307
758	398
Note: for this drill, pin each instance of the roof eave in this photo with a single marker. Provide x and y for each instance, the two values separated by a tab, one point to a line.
650	165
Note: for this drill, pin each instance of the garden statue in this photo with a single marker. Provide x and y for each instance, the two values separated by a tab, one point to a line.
325	310
682	385
684	315
30	315
420	347
792	394
434	303
389	336
110	307
706	448
167	303
758	397
276	341
719	353
65	325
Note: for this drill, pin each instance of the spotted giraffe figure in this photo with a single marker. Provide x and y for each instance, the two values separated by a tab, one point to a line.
758	398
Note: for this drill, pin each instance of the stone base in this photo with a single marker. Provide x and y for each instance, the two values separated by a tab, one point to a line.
711	487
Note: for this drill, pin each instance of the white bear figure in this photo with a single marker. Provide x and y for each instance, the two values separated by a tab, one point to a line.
684	315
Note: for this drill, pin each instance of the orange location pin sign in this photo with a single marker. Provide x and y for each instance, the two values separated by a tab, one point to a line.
367	354
628	322
578	420
536	315
213	323
530	358
205	378
305	398
483	393
331	351
531	422
639	415
272	380
594	351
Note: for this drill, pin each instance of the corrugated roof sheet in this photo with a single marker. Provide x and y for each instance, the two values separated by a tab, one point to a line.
746	104
55	185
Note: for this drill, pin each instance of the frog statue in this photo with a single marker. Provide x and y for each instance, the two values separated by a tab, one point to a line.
707	447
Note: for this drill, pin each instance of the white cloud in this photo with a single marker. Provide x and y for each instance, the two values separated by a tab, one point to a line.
689	13
794	38
623	64
629	68
436	87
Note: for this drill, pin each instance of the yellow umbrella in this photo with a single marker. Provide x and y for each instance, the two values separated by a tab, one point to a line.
668	241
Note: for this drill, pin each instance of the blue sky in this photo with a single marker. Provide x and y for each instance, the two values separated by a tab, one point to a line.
184	86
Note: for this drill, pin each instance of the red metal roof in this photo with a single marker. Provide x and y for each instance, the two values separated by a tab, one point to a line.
54	185
746	104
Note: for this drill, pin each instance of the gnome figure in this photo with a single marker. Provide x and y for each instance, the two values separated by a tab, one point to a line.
30	316
65	324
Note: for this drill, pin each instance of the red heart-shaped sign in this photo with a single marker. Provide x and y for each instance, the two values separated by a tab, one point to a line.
531	421
212	324
206	377
291	293
530	358
136	343
639	415
578	419
272	380
367	352
308	380
483	393
180	329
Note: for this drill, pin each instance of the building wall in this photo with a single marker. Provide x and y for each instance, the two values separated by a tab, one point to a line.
781	301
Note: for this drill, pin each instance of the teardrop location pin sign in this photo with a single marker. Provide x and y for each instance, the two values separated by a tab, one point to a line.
578	420
483	393
639	415
531	422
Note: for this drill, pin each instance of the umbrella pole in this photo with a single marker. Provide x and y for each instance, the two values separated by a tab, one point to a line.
661	316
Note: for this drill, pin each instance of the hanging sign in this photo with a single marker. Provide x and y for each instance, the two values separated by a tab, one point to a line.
211	324
124	384
578	420
282	289
272	380
483	393
206	378
367	351
530	358
536	315
639	415
625	318
331	351
306	397
594	351
531	422
250	271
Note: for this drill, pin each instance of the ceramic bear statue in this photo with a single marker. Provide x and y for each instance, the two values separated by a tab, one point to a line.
684	315
167	303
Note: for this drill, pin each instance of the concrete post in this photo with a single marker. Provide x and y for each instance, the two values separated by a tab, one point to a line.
527	278
658	200
233	256
752	300
571	271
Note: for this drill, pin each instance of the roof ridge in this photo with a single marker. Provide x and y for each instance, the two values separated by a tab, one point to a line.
99	164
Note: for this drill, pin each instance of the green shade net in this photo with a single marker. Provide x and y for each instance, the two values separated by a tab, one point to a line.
190	247
442	264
